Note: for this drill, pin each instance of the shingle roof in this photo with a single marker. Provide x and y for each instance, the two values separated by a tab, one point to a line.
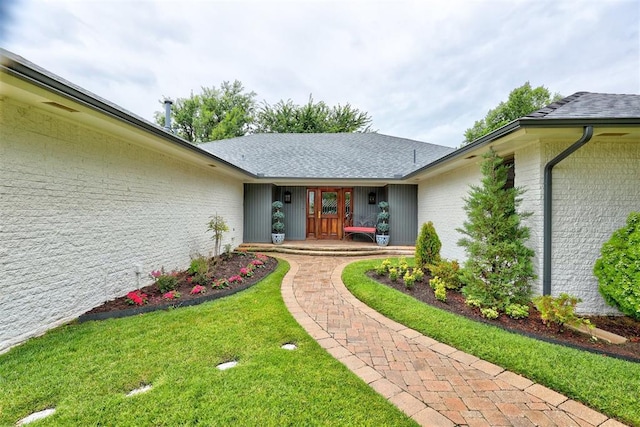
326	155
586	105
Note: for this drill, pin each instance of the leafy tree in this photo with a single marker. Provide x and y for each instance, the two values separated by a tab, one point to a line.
522	101
498	270
427	246
286	117
215	113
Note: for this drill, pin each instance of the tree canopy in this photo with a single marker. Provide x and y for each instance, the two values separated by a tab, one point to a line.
215	113
286	117
231	111
522	100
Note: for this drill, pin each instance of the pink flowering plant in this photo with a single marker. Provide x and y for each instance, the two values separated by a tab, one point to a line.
235	279
137	298
171	295
257	263
198	289
220	284
246	272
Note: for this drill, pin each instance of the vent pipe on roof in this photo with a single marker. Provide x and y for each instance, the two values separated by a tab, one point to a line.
587	133
167	114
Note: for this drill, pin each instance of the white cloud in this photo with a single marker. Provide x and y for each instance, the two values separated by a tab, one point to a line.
422	70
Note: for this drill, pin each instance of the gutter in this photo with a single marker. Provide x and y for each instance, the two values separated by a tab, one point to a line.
587	133
24	70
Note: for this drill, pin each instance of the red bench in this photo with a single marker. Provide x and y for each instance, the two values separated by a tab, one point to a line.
364	229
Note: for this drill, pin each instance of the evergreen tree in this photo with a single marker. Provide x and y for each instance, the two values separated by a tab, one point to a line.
499	270
427	246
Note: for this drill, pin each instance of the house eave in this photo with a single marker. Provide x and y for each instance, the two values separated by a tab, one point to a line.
19	69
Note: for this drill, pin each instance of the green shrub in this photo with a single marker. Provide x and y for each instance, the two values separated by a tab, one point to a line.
381	269
167	282
618	268
393	274
439	288
448	271
517	311
498	270
559	311
199	265
489	313
418	274
409	280
427	246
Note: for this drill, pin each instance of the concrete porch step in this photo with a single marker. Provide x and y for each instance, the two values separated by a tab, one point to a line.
333	248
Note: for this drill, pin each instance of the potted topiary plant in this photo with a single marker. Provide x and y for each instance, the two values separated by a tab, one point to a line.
382	227
277	234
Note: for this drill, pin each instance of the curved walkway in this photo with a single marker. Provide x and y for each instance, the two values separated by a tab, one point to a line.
433	383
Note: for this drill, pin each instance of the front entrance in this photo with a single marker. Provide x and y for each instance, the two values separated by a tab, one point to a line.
327	209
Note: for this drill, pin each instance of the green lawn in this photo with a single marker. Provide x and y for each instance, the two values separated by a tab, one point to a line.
85	370
608	385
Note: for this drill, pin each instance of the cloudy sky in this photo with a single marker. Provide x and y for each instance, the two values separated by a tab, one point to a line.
423	70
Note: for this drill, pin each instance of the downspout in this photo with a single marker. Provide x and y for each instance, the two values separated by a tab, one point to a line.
587	133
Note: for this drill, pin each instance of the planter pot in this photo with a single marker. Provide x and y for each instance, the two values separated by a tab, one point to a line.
277	238
382	239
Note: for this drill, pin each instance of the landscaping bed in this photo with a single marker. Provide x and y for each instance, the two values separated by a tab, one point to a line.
225	267
533	325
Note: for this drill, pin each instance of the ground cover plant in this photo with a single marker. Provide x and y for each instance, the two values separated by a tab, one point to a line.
85	370
606	384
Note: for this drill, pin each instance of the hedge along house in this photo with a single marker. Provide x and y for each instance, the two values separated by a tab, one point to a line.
326	180
579	161
92	199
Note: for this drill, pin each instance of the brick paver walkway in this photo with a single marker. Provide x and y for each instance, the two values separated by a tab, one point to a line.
433	383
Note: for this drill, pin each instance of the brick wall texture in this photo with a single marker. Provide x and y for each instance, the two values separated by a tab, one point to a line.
594	190
82	212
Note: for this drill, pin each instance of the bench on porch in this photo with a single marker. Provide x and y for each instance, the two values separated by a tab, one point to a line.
365	227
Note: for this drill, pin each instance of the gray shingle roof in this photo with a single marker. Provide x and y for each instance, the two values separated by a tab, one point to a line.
586	105
326	155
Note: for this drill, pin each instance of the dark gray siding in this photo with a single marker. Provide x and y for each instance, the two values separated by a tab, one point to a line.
257	213
362	210
403	211
295	213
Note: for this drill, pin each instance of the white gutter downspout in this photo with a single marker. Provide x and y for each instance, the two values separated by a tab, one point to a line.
547	207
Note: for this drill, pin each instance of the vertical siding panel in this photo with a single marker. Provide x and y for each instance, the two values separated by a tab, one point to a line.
403	210
295	213
257	213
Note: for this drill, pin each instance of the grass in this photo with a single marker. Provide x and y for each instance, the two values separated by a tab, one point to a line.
611	386
86	370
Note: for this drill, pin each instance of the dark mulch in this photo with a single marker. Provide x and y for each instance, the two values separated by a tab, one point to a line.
226	267
533	325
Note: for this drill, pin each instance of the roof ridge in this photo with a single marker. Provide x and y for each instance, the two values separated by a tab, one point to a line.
544	111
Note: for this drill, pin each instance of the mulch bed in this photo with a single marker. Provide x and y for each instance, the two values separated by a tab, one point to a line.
226	267
533	325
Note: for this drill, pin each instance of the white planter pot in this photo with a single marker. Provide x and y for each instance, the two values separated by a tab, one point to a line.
382	239
277	238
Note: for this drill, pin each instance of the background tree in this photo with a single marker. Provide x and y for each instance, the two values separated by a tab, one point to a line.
522	101
498	270
215	113
286	117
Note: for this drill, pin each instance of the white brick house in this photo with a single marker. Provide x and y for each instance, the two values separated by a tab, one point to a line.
92	197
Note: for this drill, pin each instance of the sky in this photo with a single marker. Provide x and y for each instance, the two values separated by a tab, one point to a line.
424	70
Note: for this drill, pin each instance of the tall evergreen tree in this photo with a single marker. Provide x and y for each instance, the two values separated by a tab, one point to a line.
499	270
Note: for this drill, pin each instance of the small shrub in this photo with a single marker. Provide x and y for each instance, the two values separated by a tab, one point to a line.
472	302
403	266
427	246
198	289
171	295
618	268
489	313
517	311
381	269
217	226
393	274
418	274
220	284
409	280
200	279
167	282
137	298
439	288
198	265
386	264
559	311
448	271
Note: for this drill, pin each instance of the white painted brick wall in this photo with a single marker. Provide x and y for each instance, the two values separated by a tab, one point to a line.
594	190
440	200
81	210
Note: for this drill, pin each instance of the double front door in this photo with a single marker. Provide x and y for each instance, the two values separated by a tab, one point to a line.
327	209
